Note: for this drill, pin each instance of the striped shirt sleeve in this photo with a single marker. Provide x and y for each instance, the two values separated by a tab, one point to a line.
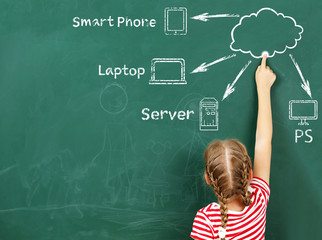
262	187
201	229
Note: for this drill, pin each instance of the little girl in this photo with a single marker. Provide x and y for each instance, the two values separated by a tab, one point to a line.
242	194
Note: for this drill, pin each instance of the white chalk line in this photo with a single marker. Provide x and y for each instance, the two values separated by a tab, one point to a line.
305	85
230	88
256	14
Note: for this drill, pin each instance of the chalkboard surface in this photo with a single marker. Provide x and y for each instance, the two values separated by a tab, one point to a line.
107	107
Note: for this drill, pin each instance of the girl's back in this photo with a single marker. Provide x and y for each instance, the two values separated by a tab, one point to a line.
246	224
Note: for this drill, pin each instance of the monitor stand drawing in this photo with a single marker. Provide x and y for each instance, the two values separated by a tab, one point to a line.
158	76
303	110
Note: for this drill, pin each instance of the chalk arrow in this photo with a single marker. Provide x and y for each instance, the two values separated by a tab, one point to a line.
230	88
205	17
204	67
305	85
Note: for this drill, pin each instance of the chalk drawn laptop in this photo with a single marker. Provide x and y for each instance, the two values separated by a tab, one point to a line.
167	71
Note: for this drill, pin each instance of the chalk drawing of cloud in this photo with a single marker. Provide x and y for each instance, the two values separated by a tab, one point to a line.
267	31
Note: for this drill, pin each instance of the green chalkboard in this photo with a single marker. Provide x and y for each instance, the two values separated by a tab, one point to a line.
107	106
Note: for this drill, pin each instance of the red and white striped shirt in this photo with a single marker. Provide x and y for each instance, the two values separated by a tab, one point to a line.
248	224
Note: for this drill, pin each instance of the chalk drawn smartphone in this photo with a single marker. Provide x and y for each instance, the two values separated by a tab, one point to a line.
208	114
175	21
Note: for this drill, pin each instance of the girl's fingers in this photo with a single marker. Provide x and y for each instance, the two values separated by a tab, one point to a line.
263	64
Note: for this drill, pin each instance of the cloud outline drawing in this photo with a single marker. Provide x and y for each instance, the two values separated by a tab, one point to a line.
275	51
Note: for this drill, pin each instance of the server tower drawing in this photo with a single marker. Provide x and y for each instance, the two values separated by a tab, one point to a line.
208	114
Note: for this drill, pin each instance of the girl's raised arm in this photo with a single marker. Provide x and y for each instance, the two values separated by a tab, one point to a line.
265	78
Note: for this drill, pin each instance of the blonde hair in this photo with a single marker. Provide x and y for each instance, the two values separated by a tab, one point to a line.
228	165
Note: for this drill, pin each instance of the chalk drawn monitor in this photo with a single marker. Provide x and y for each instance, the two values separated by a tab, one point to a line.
175	21
303	110
208	114
168	71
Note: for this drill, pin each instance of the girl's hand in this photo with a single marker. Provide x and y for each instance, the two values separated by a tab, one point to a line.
264	76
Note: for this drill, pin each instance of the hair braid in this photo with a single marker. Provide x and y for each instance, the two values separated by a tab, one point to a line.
246	195
246	167
223	211
214	183
222	202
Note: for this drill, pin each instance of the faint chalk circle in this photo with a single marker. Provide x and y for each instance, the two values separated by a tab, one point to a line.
158	147
190	102
113	98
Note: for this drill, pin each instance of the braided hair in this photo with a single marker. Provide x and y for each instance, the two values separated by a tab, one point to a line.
227	166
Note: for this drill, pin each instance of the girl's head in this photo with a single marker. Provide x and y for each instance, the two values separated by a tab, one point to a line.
227	170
